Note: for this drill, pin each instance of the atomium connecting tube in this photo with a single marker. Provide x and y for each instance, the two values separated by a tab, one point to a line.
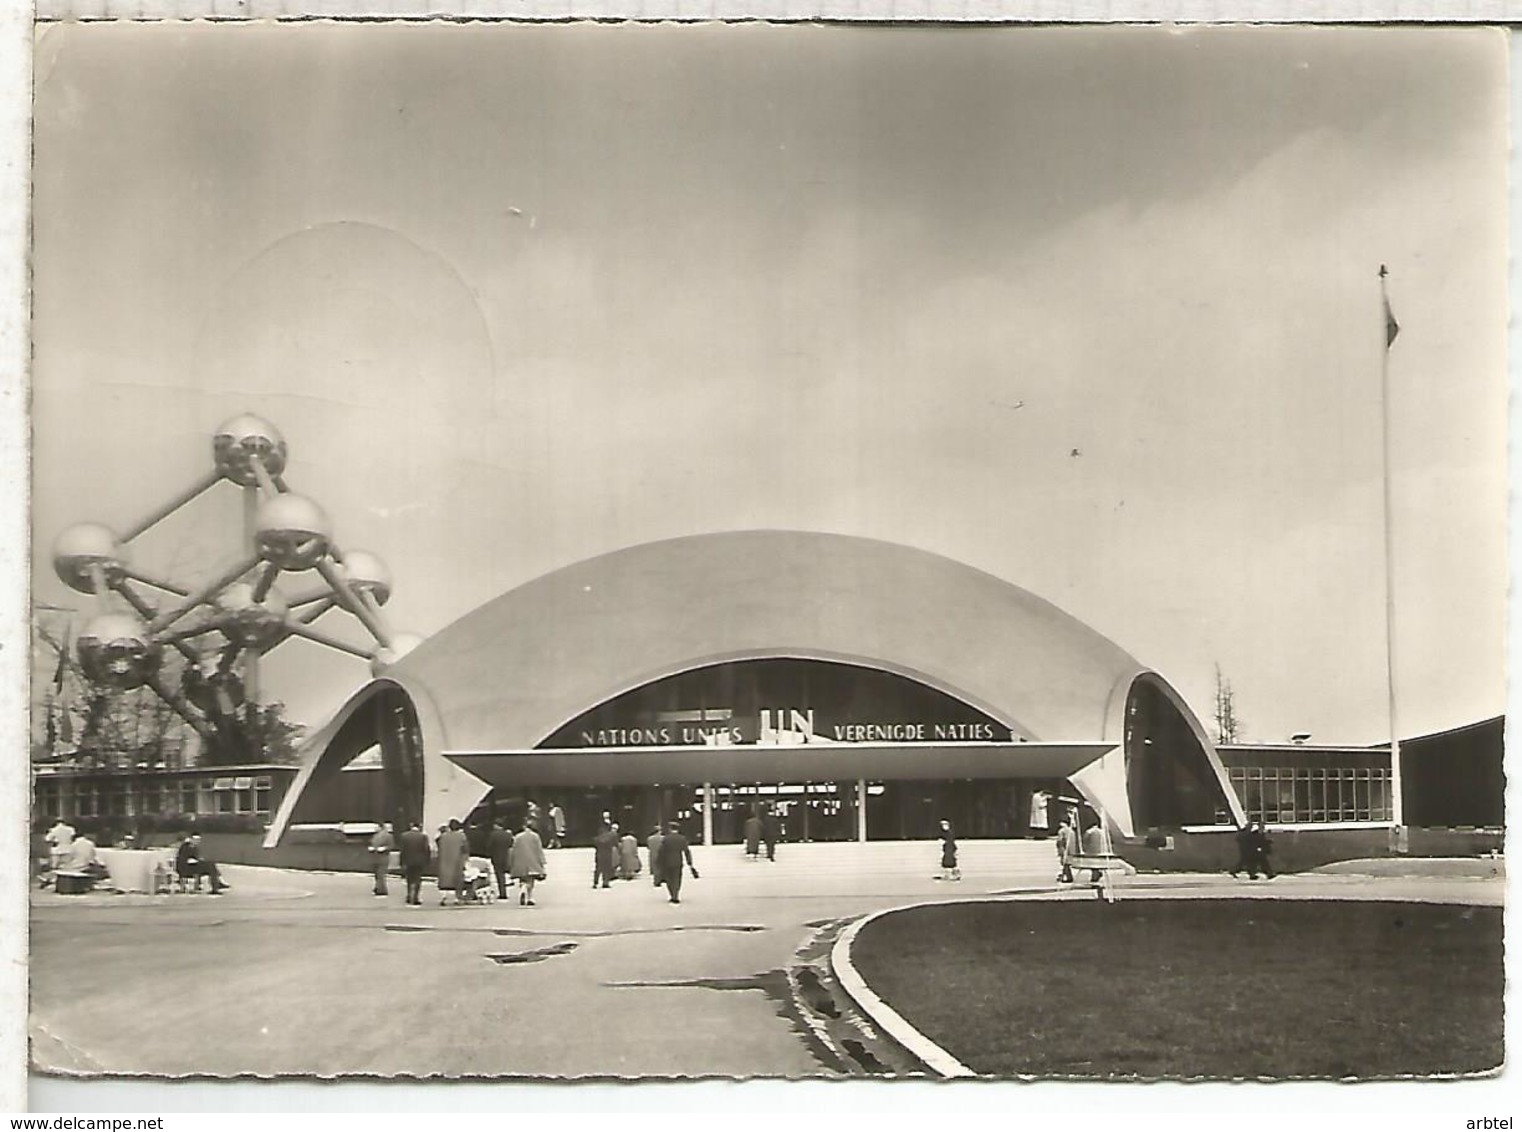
289	533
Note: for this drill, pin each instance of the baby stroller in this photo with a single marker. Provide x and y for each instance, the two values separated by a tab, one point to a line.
476	887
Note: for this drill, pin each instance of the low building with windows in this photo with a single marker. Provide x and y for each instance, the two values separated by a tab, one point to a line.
122	799
1292	784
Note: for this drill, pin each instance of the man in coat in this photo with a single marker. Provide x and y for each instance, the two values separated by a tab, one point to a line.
653	845
604	856
381	844
1067	848
1246	853
498	847
416	852
1261	848
675	852
454	849
190	860
752	836
770	833
526	862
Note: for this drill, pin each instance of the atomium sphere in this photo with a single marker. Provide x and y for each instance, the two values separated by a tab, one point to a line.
115	649
401	645
251	623
291	531
243	439
80	548
368	574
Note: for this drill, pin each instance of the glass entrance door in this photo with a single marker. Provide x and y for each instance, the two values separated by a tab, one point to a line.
995	808
804	811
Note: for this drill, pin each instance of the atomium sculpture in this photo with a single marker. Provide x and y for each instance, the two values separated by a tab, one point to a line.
287	534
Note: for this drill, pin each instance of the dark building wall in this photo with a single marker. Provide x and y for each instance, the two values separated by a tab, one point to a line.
351	795
1456	778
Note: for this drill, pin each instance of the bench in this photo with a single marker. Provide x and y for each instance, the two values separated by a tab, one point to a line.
73	882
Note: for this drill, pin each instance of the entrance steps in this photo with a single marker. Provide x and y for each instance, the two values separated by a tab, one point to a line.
990	861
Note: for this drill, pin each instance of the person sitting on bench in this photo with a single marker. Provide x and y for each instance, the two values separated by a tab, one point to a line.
78	867
192	862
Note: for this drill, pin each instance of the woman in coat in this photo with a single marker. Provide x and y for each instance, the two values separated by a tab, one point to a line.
949	869
453	850
525	861
1094	846
628	857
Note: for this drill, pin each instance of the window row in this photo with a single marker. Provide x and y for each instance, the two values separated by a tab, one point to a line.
130	798
1282	794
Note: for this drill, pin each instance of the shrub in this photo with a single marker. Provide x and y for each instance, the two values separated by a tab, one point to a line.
224	823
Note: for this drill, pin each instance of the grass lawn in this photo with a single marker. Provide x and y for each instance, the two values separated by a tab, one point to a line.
1197	988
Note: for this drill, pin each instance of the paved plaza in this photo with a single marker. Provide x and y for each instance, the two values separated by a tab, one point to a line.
306	973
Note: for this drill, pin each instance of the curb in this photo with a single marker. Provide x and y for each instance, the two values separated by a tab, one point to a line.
884	1016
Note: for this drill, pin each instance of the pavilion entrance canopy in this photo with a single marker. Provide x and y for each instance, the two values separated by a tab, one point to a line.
808	762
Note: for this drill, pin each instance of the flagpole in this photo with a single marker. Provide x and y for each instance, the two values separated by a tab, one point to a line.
1391	329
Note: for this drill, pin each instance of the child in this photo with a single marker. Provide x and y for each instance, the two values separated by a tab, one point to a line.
949	869
476	887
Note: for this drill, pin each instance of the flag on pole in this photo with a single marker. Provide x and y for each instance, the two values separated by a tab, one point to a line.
1392	328
65	723
58	672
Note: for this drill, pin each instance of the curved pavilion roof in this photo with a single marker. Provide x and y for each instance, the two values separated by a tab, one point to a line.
506	676
511	672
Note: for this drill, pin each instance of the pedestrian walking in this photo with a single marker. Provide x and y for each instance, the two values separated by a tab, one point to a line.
526	862
381	844
415	853
557	826
453	850
949	868
1246	853
1094	846
770	833
675	852
604	856
653	847
1067	848
629	865
498	846
753	836
1261	848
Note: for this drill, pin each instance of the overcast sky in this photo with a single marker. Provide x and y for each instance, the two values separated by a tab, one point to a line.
1093	310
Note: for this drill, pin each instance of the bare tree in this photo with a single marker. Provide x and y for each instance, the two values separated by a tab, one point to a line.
77	719
1228	724
59	706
